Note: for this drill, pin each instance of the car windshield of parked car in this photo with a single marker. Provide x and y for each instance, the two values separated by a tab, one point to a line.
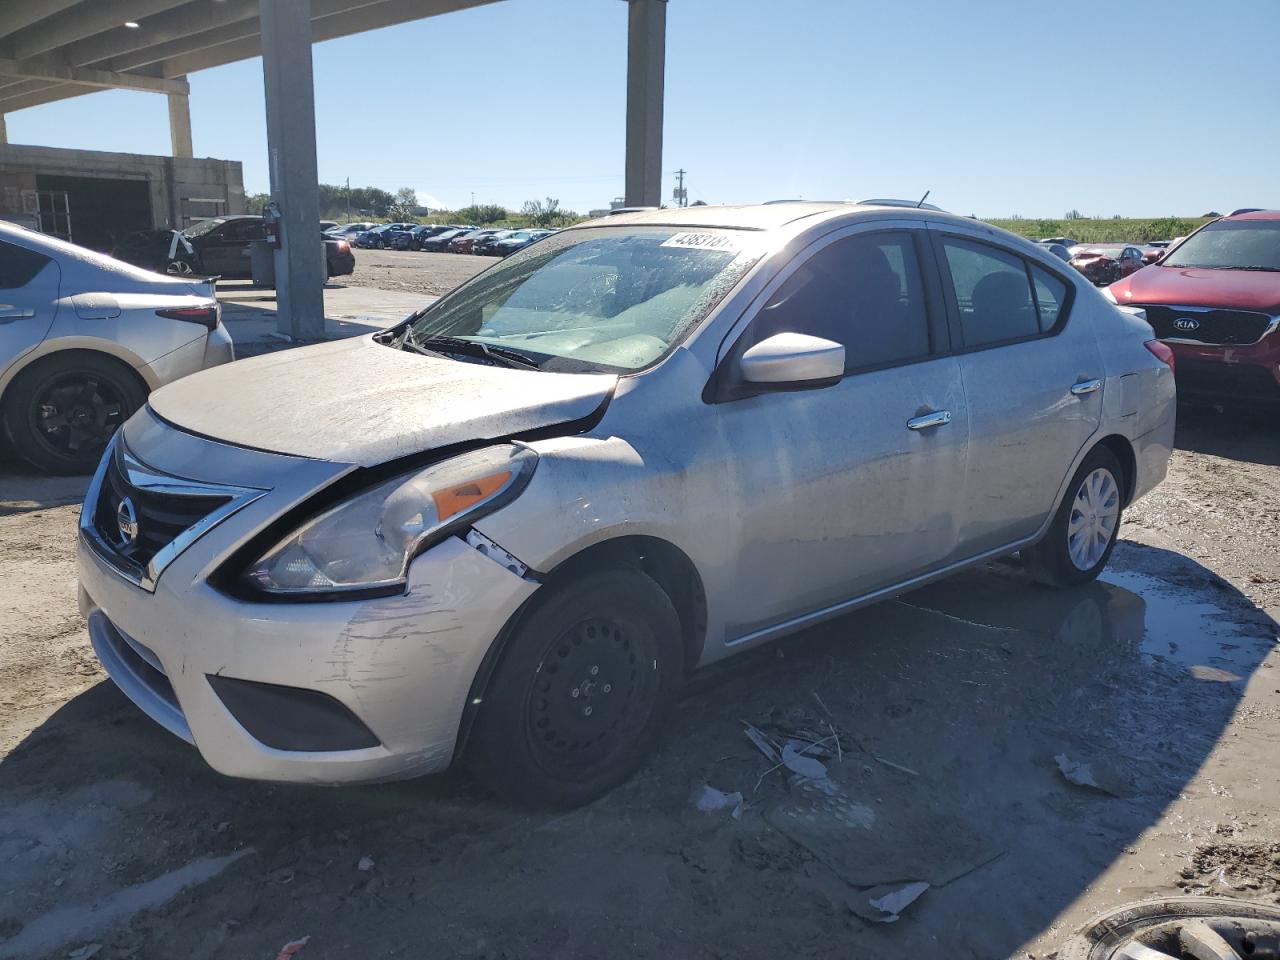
204	226
1231	245
613	299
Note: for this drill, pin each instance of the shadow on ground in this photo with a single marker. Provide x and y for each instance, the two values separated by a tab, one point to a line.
1236	433
951	705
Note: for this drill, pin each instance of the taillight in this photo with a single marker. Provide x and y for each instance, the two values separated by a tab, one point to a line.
206	316
1162	352
343	246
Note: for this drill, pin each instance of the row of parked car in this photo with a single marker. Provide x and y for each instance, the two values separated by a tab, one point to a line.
437	237
1105	263
1212	296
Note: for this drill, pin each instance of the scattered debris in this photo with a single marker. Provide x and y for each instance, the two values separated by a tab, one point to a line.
1214	674
798	763
762	742
894	766
85	952
1084	775
708	799
292	947
888	902
365	864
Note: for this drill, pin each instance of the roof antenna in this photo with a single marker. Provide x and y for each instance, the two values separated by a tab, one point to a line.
923	199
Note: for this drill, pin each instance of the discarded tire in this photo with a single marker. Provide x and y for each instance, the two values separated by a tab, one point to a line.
1180	928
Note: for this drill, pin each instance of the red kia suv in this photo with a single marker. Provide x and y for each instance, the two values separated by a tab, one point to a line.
1215	299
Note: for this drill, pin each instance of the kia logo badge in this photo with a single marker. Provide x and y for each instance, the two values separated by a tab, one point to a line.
127	522
1186	324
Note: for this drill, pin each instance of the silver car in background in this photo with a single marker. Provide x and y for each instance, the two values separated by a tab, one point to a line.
84	338
507	529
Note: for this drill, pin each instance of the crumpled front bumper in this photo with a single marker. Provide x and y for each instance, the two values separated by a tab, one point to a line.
402	665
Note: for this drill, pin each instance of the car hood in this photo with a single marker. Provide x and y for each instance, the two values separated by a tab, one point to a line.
357	401
1193	287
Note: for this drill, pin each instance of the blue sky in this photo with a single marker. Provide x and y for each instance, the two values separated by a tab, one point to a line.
998	106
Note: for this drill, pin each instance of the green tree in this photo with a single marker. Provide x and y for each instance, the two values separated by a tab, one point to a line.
403	206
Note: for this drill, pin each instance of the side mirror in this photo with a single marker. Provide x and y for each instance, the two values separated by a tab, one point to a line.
793	359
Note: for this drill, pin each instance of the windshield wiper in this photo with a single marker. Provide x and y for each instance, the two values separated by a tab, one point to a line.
475	348
1262	269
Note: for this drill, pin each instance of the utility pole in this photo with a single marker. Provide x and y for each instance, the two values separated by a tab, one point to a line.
348	199
681	198
473	199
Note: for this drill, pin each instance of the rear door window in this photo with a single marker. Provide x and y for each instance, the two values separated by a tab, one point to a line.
992	293
864	292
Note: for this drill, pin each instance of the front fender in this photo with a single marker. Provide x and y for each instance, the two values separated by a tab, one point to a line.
559	515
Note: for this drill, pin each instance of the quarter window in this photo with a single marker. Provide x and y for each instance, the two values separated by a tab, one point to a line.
18	265
992	293
864	292
1051	297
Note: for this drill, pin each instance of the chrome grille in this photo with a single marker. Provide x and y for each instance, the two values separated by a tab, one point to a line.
139	520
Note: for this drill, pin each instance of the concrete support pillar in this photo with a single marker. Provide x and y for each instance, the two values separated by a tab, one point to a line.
646	64
291	155
4	130
180	124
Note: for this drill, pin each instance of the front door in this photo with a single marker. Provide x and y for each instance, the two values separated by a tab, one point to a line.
846	488
1033	379
28	299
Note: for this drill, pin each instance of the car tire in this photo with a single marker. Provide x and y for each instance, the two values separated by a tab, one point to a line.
60	412
1085	528
579	695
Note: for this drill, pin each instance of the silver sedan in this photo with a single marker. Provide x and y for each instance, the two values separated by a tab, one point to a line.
507	529
84	338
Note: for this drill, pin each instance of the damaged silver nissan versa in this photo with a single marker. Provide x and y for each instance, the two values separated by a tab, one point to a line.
505	530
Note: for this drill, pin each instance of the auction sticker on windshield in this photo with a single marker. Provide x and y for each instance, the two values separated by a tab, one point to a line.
704	241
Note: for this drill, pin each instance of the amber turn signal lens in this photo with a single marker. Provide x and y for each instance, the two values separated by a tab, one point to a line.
456	499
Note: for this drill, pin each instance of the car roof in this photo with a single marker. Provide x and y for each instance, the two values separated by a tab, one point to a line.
1256	215
760	216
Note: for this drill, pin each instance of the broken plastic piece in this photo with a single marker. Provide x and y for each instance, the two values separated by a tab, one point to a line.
1083	775
802	765
365	864
292	947
708	799
891	903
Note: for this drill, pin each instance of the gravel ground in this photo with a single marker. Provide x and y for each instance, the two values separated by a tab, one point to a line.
428	273
951	706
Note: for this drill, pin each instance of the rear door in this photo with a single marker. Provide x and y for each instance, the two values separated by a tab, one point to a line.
1033	380
28	299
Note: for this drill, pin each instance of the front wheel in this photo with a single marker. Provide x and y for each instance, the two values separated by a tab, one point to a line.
1084	530
578	698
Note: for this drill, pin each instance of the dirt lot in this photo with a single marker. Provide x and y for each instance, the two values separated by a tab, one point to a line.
950	704
429	273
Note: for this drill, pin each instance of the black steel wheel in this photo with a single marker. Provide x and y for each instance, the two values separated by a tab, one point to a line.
61	411
578	696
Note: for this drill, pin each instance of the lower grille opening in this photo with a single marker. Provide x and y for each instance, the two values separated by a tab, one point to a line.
289	718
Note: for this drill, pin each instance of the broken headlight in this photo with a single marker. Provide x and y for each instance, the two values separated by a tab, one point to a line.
367	541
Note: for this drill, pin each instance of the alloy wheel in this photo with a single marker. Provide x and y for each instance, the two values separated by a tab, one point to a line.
1095	512
75	414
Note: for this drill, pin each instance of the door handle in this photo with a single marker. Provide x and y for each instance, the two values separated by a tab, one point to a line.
939	418
1085	387
8	312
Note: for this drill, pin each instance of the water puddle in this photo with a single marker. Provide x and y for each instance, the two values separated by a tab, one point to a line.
1190	631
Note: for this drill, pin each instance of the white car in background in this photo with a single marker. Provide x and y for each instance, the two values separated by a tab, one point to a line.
83	340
